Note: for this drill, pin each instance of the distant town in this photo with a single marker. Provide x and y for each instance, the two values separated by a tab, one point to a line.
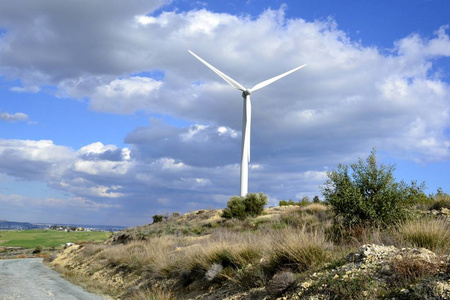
8	225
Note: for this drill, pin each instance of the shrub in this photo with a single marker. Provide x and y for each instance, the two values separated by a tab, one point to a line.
242	207
305	201
369	195
157	218
316	199
254	204
287	203
235	209
440	200
38	249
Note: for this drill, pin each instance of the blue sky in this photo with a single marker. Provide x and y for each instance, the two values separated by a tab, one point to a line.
105	118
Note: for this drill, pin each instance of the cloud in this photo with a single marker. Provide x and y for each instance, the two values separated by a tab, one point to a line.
126	95
13	117
348	99
28	89
196	145
33	159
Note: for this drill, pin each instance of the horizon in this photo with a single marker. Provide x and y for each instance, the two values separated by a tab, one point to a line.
64	224
105	117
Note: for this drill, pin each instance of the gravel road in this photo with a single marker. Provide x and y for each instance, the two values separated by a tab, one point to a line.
30	279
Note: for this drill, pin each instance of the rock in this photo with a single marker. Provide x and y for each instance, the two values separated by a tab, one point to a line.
445	211
280	282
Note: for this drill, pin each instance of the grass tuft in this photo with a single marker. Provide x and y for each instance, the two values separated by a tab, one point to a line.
432	234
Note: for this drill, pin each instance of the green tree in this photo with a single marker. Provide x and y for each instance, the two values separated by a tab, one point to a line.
369	195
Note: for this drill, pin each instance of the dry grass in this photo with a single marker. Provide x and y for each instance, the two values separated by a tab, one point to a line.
432	234
442	201
152	294
314	208
246	254
410	270
245	259
299	250
93	286
153	255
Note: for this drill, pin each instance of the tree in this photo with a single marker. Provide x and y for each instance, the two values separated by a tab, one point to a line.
369	195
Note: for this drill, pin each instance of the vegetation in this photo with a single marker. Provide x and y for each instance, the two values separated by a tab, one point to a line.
305	249
429	233
157	218
49	238
243	207
440	200
303	202
369	196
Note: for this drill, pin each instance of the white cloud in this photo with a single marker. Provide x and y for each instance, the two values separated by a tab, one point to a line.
14	199
27	89
33	159
126	95
348	99
78	202
104	191
13	117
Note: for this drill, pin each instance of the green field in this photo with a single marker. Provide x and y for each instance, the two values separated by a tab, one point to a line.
48	238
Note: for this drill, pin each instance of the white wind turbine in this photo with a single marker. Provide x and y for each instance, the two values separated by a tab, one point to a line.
247	115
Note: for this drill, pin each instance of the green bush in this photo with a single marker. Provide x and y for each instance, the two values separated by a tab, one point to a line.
254	204
440	200
235	208
157	218
304	202
242	207
369	195
38	249
283	203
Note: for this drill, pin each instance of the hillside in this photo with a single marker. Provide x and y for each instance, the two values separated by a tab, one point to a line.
286	253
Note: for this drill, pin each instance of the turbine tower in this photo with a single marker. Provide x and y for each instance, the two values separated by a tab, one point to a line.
247	115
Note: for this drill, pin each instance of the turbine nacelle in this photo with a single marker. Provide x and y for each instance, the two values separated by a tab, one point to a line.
246	93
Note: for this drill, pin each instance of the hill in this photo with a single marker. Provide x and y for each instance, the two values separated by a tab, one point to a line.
287	252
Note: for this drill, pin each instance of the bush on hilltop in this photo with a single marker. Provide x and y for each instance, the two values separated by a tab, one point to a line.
369	194
242	207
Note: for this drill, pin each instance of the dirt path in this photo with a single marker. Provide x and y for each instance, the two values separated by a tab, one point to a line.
30	279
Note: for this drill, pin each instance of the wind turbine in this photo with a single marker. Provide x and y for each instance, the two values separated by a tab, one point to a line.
247	115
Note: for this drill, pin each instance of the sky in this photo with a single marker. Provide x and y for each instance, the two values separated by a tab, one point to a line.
106	119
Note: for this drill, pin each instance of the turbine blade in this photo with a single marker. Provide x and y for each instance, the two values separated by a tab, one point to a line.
273	79
225	77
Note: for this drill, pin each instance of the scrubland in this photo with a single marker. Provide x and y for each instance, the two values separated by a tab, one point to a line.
200	255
